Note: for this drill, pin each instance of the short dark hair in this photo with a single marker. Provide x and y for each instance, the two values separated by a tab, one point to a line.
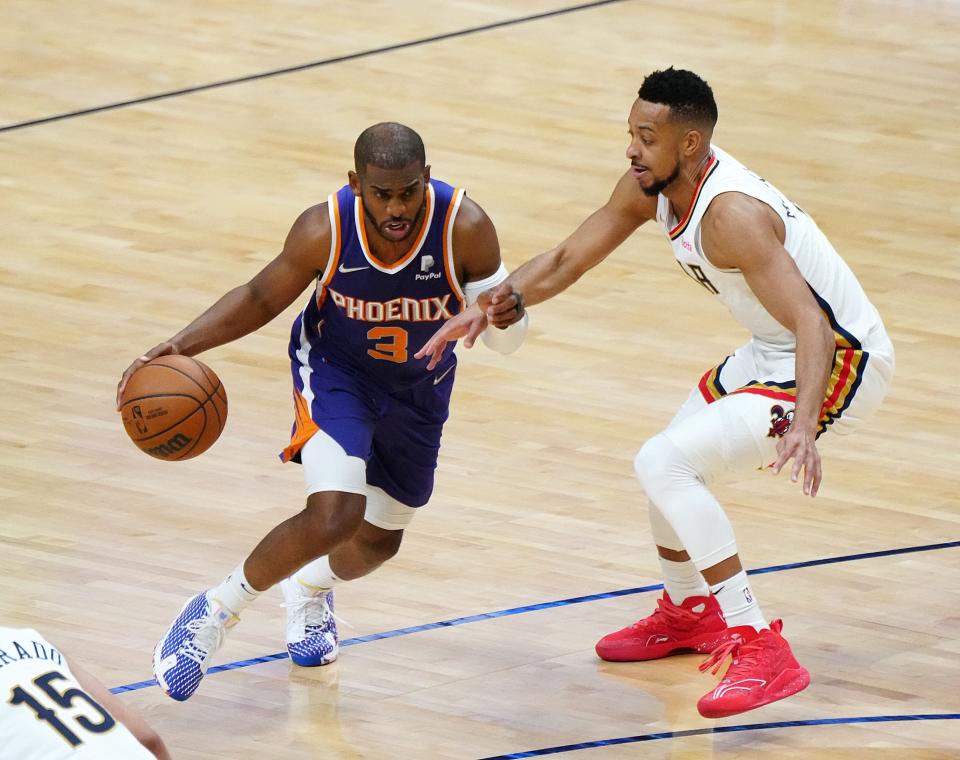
388	145
688	96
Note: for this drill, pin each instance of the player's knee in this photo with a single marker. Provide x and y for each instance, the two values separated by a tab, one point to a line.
332	516
383	546
649	460
659	464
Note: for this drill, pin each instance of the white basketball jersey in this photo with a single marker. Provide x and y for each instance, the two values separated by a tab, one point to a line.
855	321
44	712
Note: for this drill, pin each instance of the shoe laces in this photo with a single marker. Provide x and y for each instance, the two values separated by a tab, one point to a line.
316	612
742	653
676	616
207	637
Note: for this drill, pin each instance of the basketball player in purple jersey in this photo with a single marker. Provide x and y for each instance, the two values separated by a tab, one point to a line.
818	359
393	254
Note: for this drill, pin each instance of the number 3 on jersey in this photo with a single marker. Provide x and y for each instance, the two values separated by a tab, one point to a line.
395	350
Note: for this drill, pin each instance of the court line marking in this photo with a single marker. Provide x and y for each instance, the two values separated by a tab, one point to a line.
548	605
311	64
723	730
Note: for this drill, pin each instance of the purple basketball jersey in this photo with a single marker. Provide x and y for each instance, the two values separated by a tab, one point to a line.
352	347
372	317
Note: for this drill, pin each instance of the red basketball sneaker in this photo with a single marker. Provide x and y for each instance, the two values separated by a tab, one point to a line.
697	625
763	670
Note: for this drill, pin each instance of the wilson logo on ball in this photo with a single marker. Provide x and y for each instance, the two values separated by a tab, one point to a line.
172	446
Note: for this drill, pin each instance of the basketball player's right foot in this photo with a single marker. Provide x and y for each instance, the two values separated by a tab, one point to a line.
696	625
311	626
762	670
183	655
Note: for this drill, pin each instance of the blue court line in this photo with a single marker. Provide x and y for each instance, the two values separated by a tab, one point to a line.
548	605
723	730
312	64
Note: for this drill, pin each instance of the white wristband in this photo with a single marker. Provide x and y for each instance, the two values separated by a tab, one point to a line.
504	341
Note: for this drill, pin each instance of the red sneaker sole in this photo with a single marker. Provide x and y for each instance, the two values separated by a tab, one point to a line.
789	683
642	652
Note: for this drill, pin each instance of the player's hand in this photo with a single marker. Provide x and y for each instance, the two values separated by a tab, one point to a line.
468	324
162	349
502	305
800	445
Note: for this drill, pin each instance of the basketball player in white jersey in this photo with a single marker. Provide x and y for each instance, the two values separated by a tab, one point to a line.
52	709
818	360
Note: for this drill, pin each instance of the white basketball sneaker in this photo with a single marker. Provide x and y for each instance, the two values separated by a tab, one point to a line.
311	627
183	655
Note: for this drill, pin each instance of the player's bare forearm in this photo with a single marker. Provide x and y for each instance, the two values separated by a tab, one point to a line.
815	354
239	312
550	273
814	360
249	307
544	276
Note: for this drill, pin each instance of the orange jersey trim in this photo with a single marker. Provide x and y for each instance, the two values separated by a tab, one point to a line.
413	248
303	427
458	193
331	269
682	226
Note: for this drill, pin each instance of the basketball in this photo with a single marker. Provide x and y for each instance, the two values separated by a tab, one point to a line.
174	407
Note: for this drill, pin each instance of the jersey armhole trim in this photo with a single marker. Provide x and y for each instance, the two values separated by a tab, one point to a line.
448	266
333	257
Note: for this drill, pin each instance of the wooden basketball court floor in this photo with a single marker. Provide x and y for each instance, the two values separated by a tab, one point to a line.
121	223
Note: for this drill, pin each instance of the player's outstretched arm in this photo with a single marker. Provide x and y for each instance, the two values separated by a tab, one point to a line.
132	720
740	232
550	273
250	306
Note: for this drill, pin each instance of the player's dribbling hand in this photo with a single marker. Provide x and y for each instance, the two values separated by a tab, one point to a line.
161	349
800	445
468	324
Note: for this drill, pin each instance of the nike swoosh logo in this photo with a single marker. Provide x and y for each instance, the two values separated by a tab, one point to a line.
348	270
437	380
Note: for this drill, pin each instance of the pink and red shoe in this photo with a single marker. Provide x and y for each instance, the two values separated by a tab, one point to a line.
763	670
696	625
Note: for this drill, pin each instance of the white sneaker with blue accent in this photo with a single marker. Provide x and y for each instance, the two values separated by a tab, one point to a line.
183	655
311	626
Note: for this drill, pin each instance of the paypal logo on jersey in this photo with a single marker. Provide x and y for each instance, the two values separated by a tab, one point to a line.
426	262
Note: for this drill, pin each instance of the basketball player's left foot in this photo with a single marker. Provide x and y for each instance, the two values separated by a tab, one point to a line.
763	670
183	655
311	627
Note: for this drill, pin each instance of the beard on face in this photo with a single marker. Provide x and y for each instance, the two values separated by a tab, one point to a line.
661	184
381	227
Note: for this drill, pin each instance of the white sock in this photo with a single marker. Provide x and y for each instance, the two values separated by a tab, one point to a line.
738	603
316	576
235	593
681	580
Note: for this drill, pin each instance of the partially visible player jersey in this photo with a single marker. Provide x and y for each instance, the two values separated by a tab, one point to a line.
44	712
371	317
855	321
